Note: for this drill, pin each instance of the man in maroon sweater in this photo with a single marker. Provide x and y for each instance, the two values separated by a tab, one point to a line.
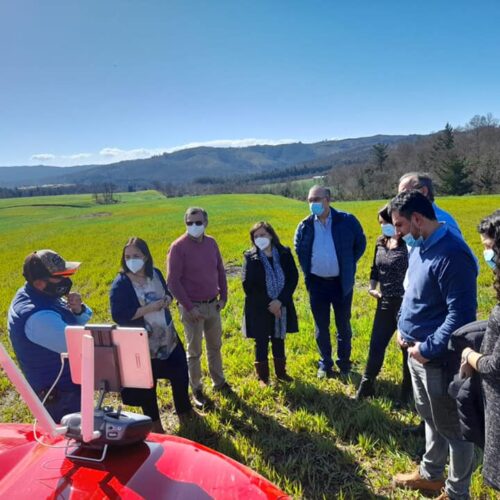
197	279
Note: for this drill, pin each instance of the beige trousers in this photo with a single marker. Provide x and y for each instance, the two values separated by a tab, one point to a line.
211	328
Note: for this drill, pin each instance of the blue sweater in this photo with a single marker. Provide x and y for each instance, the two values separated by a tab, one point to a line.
441	295
349	240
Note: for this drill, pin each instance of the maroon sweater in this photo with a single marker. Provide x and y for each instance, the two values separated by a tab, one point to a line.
196	271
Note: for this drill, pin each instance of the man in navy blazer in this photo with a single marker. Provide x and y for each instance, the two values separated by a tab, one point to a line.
328	244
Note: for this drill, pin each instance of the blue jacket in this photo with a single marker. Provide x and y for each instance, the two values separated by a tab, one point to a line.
124	303
39	364
349	240
441	295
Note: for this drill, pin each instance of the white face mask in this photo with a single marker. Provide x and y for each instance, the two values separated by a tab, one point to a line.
262	242
135	265
195	231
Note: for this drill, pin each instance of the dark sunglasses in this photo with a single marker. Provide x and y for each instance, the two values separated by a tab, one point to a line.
196	223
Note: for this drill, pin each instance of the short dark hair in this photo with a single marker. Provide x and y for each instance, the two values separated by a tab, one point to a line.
134	241
409	202
489	227
263	224
194	211
420	180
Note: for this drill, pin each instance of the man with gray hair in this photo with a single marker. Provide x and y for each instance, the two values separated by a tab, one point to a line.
329	243
197	279
423	182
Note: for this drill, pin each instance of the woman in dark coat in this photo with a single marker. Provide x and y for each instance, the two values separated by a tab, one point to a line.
269	279
139	297
487	361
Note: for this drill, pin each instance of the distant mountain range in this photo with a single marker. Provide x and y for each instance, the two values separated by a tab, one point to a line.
189	165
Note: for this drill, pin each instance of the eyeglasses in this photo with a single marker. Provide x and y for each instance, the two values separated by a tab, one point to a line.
196	223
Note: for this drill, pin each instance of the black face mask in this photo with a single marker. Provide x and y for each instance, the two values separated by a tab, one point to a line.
58	289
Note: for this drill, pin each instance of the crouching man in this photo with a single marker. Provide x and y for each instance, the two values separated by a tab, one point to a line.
38	315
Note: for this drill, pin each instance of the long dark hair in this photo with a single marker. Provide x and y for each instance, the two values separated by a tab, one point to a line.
143	247
489	227
263	224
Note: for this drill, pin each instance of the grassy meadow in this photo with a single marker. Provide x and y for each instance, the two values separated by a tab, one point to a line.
309	437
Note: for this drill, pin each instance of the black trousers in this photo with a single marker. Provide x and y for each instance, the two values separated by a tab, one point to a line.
176	371
384	326
261	348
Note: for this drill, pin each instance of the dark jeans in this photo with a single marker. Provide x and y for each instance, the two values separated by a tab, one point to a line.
261	347
324	293
174	369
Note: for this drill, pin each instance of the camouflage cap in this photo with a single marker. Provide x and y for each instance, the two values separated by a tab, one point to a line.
44	264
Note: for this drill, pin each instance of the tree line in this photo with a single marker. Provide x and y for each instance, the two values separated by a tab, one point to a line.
461	160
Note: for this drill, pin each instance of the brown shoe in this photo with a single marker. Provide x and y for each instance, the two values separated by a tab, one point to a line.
414	481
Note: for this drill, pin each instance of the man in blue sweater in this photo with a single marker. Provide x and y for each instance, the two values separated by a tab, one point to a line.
441	297
37	318
329	243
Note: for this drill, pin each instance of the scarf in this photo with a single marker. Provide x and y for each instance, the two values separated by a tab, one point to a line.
275	281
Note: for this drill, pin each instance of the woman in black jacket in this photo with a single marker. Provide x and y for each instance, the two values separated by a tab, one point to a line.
390	263
139	297
269	279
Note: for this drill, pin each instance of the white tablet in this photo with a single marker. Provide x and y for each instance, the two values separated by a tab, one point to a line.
132	360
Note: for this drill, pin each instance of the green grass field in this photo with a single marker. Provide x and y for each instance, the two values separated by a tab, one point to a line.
309	437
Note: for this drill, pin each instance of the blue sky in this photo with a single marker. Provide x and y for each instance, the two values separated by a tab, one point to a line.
96	81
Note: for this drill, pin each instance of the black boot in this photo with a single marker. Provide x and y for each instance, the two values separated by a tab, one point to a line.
366	388
280	370
262	369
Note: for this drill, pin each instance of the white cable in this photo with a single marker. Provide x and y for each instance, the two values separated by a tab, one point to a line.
64	356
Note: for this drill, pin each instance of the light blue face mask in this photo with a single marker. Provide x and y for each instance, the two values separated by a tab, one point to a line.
411	241
316	208
490	258
388	230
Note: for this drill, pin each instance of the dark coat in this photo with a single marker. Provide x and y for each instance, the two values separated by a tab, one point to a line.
467	392
258	320
349	240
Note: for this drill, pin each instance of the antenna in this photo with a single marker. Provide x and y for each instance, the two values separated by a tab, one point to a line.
87	393
28	394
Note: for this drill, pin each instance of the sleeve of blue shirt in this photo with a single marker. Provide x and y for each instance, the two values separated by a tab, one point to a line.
46	328
457	282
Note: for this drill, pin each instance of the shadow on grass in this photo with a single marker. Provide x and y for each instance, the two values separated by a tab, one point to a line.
350	418
307	458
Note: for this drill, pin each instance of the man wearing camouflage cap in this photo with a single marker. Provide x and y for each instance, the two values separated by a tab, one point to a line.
38	315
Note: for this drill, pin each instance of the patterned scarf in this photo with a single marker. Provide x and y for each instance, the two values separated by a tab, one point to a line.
275	281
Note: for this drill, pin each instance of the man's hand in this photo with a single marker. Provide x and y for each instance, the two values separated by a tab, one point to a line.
414	352
375	293
275	308
401	343
75	302
220	305
194	315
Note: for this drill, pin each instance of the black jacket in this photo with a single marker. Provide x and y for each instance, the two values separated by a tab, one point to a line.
257	319
467	392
